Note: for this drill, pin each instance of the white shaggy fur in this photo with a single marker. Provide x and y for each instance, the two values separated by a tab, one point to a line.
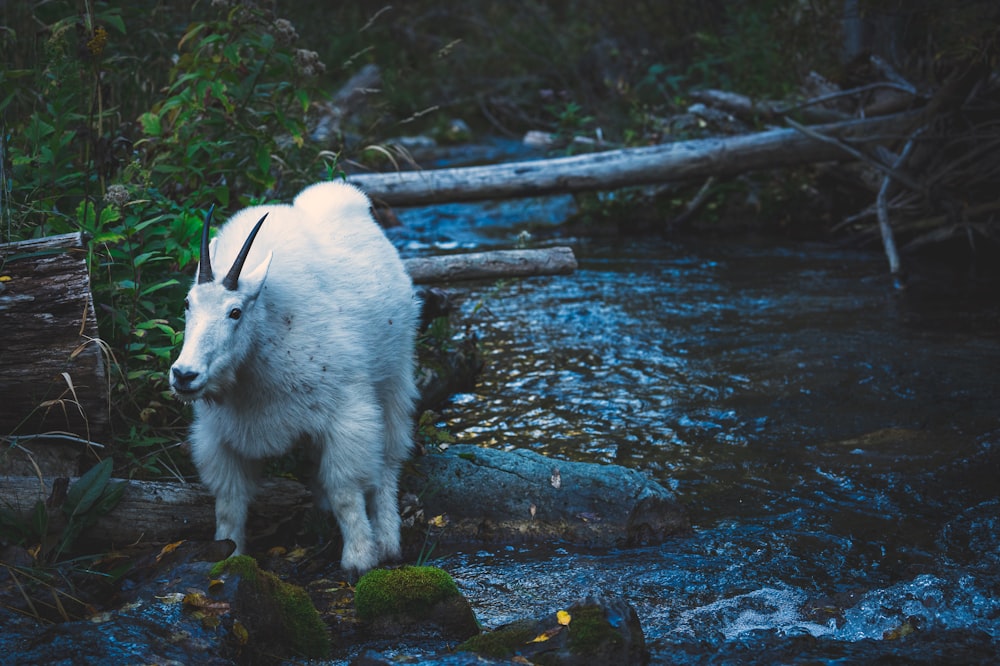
321	353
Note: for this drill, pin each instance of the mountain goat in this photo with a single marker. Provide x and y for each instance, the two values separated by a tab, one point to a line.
312	344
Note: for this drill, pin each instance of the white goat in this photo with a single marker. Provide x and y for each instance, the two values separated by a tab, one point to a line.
313	344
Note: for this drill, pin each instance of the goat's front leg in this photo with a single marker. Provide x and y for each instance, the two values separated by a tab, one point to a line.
233	481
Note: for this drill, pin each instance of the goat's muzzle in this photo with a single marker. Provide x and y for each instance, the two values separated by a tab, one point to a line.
186	384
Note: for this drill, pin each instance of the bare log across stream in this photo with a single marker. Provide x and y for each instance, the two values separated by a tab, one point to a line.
682	160
491	265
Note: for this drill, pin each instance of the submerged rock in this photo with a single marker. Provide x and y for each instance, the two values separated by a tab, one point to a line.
518	496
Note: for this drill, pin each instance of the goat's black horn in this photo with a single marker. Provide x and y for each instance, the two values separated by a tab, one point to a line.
233	276
205	265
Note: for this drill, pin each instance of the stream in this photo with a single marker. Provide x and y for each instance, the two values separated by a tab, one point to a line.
836	443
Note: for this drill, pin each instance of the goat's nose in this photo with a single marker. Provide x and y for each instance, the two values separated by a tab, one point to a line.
183	377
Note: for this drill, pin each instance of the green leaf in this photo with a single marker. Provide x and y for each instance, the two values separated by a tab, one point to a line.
303	98
157	287
110	498
151	124
108	237
39	520
82	495
114	20
263	159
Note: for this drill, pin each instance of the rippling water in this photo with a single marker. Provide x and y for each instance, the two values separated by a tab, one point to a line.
835	442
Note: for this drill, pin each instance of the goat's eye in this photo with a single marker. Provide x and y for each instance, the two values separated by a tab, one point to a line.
187	304
235	313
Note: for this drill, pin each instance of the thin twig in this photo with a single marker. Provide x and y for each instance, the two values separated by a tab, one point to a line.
54	434
889	171
694	204
888	240
844	93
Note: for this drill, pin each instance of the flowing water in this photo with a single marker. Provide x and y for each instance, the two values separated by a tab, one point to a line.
837	445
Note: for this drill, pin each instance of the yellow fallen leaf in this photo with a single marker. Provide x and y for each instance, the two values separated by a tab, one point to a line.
5	278
563	617
438	521
169	548
546	635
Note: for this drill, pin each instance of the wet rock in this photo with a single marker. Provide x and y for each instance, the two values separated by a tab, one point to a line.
177	609
591	633
520	496
156	627
416	602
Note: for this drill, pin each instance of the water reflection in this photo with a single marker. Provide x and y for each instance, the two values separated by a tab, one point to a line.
832	439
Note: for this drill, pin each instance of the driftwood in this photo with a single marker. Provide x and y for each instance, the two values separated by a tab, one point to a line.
52	372
682	160
491	265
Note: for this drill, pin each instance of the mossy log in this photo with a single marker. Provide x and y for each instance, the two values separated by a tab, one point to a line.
52	372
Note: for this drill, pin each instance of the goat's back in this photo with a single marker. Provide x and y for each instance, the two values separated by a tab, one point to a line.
336	285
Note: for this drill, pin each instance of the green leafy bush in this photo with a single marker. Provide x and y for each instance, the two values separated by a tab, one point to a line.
222	120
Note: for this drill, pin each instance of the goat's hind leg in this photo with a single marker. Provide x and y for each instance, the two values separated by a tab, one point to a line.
397	406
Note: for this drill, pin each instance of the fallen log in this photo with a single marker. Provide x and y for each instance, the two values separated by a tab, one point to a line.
52	372
491	265
487	495
521	496
682	160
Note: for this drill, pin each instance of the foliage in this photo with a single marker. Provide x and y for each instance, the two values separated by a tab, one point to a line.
221	120
49	535
537	64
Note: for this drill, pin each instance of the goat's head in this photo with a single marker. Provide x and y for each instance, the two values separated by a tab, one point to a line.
215	335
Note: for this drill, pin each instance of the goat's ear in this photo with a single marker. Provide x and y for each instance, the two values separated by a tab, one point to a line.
251	283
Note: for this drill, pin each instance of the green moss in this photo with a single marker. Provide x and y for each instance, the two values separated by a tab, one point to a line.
240	565
471	457
383	592
301	625
590	630
501	643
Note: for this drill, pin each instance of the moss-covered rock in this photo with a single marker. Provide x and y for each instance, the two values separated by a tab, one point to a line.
592	633
413	599
506	641
273	616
